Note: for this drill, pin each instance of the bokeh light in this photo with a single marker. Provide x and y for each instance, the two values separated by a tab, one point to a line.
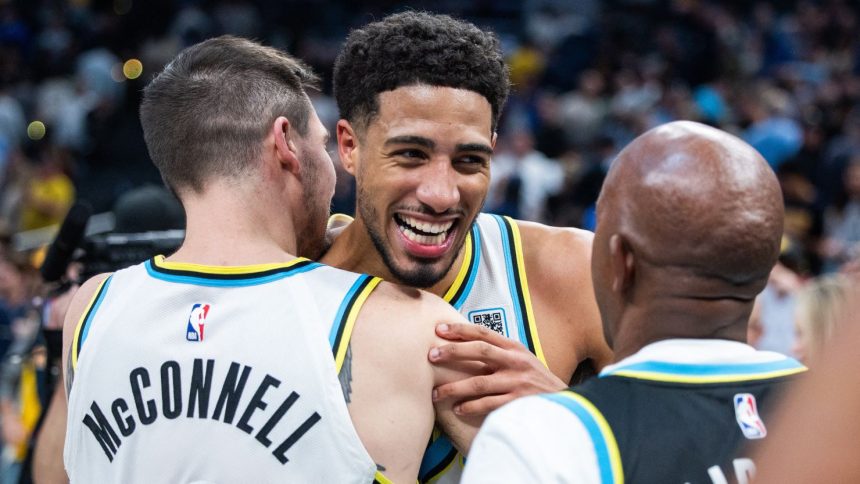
132	68
36	130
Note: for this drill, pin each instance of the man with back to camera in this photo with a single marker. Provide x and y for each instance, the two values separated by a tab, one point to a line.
689	223
420	97
220	363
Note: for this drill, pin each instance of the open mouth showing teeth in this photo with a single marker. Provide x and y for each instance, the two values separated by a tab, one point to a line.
426	233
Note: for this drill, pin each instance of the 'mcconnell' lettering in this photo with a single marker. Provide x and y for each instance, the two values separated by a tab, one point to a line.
145	399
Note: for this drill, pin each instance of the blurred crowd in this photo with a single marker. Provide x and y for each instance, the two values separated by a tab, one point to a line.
588	77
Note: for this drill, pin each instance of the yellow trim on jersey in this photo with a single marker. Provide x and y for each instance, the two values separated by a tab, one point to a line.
531	327
232	270
350	321
381	479
668	377
80	326
606	430
469	253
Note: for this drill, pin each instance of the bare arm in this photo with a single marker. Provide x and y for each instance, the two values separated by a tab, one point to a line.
48	453
558	261
390	381
48	458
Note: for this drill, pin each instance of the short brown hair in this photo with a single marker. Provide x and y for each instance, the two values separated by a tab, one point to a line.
206	112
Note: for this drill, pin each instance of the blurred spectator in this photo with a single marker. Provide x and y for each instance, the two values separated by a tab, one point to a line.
16	179
773	131
820	308
49	193
842	221
13	300
523	177
776	306
584	109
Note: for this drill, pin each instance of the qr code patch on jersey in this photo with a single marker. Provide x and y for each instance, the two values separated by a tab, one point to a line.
493	319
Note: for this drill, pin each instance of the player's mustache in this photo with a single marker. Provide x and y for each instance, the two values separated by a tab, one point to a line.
425	210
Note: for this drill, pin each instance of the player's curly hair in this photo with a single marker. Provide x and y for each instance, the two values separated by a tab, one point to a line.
413	48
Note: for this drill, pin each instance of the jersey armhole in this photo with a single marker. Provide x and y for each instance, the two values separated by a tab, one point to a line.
85	323
519	285
344	321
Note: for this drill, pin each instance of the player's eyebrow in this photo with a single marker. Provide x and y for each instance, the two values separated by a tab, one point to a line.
479	147
411	140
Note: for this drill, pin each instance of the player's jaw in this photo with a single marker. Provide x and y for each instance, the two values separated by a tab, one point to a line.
417	246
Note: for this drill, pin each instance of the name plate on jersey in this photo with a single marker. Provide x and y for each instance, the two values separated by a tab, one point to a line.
493	319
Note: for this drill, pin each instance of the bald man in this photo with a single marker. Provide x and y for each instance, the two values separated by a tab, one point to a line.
688	227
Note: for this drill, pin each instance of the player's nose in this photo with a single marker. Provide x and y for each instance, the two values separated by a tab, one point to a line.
438	186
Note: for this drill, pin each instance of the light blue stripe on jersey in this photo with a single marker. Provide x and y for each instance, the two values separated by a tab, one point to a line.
598	439
335	326
91	315
686	369
476	262
244	281
512	283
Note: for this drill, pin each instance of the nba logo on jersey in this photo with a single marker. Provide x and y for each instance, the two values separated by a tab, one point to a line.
746	414
196	322
493	319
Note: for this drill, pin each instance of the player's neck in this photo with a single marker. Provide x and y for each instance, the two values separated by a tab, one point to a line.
659	320
353	250
227	230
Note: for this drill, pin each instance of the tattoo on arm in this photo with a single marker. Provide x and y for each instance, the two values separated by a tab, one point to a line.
345	375
70	371
380	467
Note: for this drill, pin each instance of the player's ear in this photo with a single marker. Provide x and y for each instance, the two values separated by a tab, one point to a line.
286	150
622	263
347	146
493	140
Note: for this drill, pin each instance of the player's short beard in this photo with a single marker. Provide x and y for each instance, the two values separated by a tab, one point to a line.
310	239
424	276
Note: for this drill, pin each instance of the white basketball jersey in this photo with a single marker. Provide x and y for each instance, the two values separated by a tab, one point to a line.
491	289
187	373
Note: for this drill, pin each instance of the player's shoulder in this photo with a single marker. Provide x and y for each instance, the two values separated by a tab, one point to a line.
81	300
556	253
421	306
537	236
406	314
84	295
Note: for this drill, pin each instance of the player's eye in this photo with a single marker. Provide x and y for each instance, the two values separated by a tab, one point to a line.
410	154
473	160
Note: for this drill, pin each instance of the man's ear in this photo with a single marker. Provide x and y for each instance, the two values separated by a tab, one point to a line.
286	150
347	146
622	263
493	140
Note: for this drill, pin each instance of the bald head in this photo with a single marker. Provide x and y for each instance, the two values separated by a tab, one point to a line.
690	197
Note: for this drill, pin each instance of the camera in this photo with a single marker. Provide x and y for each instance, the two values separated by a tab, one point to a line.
112	252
